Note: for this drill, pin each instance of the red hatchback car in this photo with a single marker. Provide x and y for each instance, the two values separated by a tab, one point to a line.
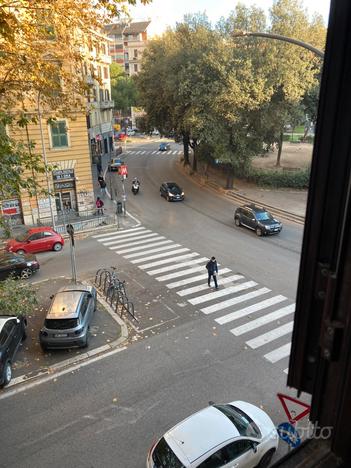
36	240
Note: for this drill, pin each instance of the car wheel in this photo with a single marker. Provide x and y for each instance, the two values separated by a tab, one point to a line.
24	334
237	222
20	252
168	199
259	232
43	347
57	247
266	459
86	341
26	273
7	374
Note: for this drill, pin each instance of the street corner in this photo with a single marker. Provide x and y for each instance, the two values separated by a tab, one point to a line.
31	361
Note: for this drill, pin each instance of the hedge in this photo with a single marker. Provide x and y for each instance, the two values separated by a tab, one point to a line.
280	178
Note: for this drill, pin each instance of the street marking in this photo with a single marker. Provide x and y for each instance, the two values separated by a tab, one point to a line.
222	292
263	320
143	152
175	152
177	265
138	152
234	300
142	247
168	260
154	152
286	370
168	247
118	232
270	336
124	236
164	254
250	309
279	353
194	279
180	273
202	287
136	237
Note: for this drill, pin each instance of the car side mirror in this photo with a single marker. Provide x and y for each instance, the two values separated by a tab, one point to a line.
254	447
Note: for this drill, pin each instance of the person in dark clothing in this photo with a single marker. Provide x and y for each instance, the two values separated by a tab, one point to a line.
212	270
102	184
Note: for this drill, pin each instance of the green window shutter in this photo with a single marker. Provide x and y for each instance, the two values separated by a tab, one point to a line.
59	134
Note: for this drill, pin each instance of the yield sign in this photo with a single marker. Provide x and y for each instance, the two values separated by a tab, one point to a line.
295	405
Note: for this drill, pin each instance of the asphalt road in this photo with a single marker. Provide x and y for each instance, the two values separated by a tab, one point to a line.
107	413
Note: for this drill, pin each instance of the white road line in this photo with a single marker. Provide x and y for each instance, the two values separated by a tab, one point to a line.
279	353
168	260
270	336
138	152
143	152
286	370
263	320
174	152
140	245
250	309
178	274
222	292
133	238
180	152
194	279
234	300
168	247
177	265
202	287
116	237
164	254
154	152
116	233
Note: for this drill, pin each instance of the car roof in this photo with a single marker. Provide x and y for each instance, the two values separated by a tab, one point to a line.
255	208
199	433
66	301
39	229
4	319
171	184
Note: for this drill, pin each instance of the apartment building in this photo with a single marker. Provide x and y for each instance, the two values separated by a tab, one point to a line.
128	41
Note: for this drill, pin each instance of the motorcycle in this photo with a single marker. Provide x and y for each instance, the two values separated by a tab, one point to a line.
135	187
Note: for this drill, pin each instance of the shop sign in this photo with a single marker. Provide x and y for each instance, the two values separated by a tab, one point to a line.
64	185
63	174
10	207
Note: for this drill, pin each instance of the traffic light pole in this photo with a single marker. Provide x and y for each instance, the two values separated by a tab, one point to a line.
70	231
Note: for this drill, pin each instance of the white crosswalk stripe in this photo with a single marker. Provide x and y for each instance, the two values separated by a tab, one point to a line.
165	260
154	152
177	265
160	255
202	287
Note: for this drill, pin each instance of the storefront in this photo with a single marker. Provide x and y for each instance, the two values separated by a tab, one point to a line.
65	190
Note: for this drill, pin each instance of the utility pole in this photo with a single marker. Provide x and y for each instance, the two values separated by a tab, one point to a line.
70	231
124	195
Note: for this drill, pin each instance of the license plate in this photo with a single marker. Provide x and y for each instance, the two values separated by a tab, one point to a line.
61	335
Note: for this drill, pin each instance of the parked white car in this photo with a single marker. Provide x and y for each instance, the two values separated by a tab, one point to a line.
236	434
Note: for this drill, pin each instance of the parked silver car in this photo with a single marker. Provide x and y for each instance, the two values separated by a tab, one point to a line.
68	319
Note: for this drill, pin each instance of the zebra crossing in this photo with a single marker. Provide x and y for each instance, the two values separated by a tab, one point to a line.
153	152
243	306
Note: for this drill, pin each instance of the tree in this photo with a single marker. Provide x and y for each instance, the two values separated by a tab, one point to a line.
17	297
123	89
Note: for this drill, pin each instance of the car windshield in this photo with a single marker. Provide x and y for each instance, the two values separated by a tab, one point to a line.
61	324
174	188
263	216
244	424
164	457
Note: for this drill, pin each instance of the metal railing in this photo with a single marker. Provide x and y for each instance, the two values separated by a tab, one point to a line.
114	291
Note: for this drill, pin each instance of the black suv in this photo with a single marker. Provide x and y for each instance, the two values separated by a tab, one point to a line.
257	219
12	332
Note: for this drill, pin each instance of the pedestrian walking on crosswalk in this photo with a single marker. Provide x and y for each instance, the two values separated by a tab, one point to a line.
212	269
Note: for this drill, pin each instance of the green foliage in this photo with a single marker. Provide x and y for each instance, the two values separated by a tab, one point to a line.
123	89
17	297
280	178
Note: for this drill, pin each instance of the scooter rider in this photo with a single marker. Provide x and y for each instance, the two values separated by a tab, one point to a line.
135	181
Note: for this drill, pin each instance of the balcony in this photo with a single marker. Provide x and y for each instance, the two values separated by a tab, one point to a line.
106	104
89	80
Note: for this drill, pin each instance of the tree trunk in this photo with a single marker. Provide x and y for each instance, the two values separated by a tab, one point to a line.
186	149
230	179
195	160
280	148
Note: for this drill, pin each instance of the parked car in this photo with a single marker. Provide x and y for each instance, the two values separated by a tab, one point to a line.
257	219
164	147
12	332
115	164
34	240
17	266
236	434
68	319
130	132
171	191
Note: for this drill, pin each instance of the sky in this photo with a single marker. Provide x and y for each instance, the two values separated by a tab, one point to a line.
165	13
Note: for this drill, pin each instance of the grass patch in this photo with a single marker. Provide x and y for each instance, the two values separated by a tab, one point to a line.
298	179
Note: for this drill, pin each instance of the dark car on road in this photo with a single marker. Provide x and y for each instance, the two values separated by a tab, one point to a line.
164	147
171	191
12	332
258	219
68	319
17	266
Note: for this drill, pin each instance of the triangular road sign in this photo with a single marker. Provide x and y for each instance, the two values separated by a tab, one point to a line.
292	408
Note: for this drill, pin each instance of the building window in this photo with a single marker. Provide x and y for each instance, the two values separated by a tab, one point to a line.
107	95
101	94
103	46
59	137
136	67
106	73
135	53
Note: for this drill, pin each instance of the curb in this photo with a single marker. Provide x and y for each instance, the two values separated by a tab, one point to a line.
100	351
232	195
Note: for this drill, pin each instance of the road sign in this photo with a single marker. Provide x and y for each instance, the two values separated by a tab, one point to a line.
289	434
123	170
295	405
